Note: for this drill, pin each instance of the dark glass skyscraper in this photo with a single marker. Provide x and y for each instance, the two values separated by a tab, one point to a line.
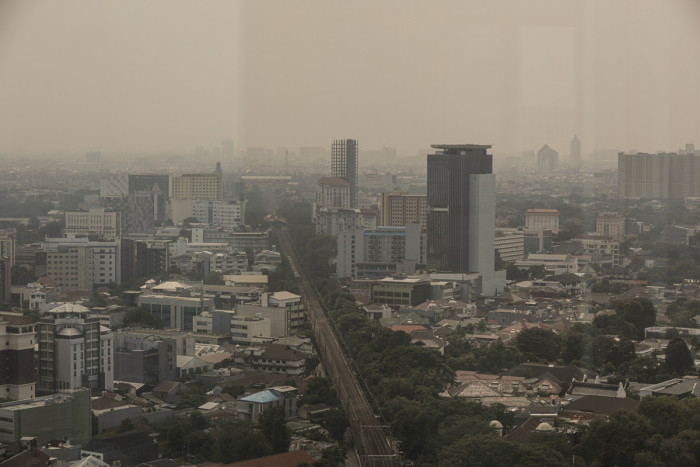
344	165
461	211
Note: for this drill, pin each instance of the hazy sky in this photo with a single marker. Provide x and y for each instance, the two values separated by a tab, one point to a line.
142	76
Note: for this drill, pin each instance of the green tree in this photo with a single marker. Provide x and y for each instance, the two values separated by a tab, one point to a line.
542	343
679	360
238	441
274	426
336	423
615	441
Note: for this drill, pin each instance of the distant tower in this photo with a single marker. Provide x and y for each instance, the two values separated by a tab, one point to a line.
227	148
575	155
547	160
344	165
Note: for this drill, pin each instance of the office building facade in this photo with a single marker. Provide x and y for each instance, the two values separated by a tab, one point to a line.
74	351
462	213
658	176
400	208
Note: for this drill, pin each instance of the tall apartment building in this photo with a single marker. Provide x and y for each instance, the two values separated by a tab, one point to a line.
344	165
333	192
610	224
95	223
199	186
547	160
78	263
17	379
74	351
381	252
462	213
399	208
658	176
143	258
542	219
575	152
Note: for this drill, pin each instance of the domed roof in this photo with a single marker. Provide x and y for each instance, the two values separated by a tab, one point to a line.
69	332
495	424
452	302
544	426
432	306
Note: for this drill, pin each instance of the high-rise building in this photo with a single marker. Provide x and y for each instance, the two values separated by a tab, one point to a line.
142	258
95	222
199	186
575	153
547	160
400	208
74	350
462	213
17	379
660	176
610	224
344	165
382	252
227	148
332	192
78	263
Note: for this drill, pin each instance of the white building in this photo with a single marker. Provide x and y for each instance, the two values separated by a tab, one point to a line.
75	350
330	221
285	311
600	246
333	192
542	219
610	224
215	213
553	264
175	312
380	252
96	222
78	263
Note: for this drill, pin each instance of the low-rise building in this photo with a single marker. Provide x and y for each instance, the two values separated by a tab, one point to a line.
64	416
175	312
285	311
252	406
401	292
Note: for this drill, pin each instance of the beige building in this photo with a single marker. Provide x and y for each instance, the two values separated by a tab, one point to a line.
610	224
333	192
96	222
400	208
542	219
199	186
71	267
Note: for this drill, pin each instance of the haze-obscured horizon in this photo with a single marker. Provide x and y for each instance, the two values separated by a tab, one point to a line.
166	76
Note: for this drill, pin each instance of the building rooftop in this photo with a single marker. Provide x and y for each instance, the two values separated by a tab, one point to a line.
460	146
261	397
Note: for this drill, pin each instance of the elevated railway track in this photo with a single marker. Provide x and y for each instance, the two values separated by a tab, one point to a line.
369	435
